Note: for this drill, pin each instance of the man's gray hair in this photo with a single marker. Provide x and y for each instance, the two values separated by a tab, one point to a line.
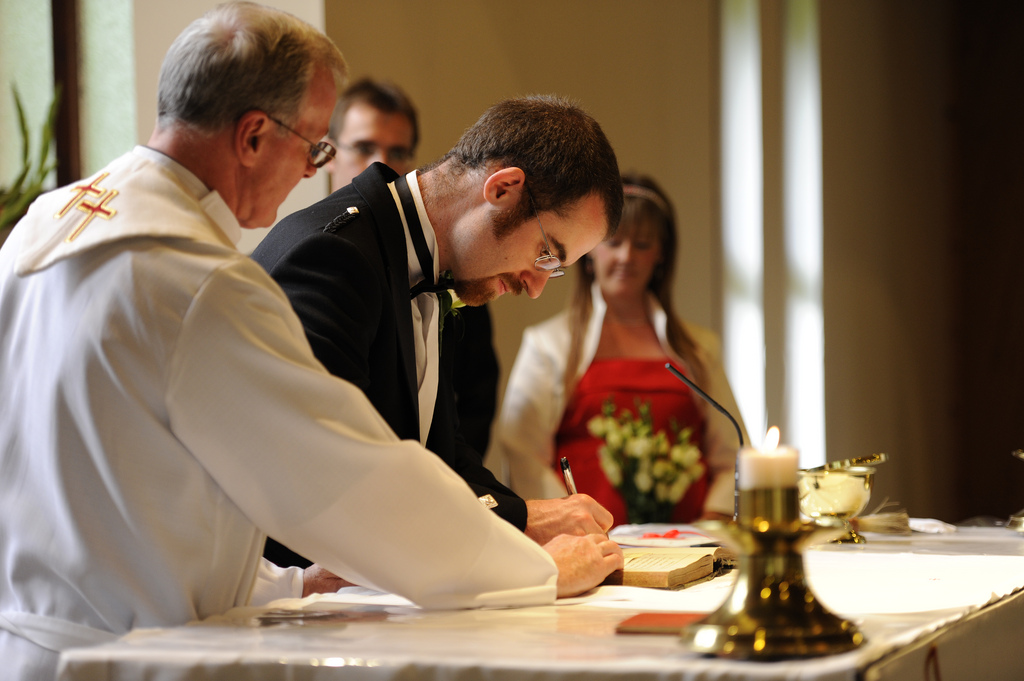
241	56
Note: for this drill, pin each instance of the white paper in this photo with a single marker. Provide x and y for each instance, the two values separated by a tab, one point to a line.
633	535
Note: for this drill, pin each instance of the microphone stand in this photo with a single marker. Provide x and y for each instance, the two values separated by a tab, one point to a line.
739	432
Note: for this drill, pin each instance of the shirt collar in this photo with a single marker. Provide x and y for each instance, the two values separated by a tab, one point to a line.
416	274
195	188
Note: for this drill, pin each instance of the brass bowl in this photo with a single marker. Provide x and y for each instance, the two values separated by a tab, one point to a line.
832	497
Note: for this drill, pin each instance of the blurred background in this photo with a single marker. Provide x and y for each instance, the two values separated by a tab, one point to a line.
848	178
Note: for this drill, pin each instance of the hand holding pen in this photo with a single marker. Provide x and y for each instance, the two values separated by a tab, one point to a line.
576	514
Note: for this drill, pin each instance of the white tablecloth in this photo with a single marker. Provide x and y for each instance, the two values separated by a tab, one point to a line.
924	603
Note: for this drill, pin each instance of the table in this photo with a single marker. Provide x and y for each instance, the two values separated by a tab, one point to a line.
943	606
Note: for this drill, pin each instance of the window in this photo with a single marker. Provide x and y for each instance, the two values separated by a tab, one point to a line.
800	412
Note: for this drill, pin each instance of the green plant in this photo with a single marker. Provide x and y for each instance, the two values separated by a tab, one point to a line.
15	199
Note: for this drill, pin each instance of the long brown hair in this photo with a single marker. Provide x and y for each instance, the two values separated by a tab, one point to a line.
645	206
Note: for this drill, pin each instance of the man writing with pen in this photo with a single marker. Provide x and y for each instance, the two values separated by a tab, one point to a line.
532	186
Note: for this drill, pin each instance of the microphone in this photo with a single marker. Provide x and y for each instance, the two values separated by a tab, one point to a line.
739	431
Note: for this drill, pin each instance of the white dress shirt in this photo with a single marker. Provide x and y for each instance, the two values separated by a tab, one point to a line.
424	307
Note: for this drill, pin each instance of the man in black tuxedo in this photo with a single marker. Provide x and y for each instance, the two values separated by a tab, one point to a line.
376	121
533	185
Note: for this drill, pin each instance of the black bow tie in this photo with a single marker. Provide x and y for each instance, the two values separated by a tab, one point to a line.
444	283
444	299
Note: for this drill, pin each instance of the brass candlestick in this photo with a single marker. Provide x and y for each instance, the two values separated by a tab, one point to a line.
771	612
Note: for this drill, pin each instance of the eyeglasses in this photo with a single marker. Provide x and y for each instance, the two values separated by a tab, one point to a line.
319	152
368	149
547	262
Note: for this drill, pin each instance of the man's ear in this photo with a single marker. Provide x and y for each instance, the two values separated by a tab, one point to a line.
250	131
503	187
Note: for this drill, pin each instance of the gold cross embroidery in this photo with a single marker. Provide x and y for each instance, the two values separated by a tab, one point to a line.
94	208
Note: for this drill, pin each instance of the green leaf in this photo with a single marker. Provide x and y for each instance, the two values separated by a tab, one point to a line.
15	198
22	127
43	166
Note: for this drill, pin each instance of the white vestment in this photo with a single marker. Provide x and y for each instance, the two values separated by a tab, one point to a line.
161	413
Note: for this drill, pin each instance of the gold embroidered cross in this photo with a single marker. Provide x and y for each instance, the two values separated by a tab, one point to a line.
93	208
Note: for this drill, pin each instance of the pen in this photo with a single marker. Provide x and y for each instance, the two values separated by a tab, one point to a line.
570	485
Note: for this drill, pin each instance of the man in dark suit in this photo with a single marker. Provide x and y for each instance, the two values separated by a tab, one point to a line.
533	185
376	121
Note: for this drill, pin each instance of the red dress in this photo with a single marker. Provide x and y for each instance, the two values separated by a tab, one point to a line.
627	380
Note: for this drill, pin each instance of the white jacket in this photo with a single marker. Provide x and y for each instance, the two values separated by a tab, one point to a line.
535	402
161	412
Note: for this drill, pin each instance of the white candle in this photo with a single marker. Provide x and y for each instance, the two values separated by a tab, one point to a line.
769	467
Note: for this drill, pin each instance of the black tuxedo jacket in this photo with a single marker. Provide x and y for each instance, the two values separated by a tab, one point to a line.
347	276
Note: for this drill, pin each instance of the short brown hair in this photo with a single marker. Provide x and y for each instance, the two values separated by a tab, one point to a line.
559	146
382	96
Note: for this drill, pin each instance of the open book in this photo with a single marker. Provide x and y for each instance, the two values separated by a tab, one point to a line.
665	568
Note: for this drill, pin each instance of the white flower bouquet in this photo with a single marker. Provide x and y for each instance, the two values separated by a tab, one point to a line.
651	470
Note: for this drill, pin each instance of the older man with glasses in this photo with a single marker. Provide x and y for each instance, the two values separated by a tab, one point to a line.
528	189
320	153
